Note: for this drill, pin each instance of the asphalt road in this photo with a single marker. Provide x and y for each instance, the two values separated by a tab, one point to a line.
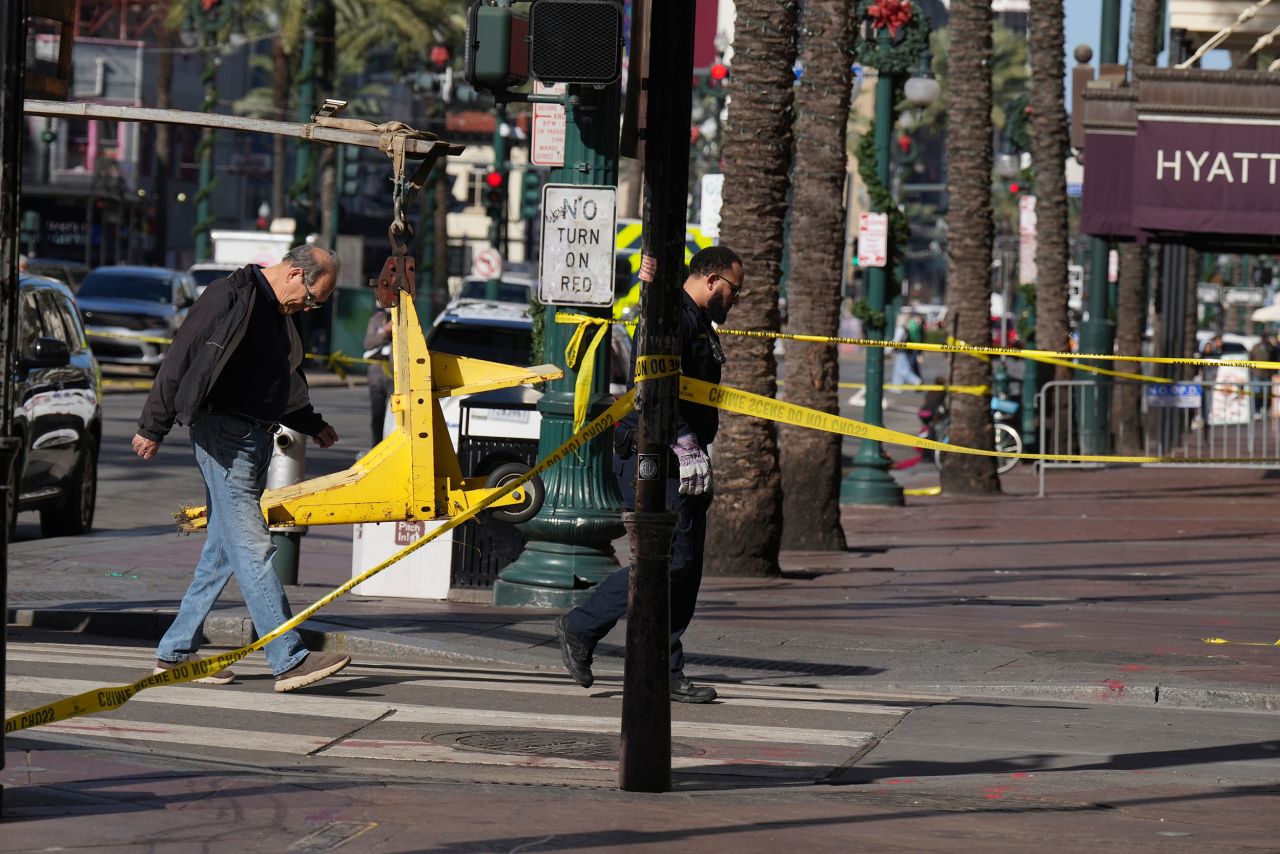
438	756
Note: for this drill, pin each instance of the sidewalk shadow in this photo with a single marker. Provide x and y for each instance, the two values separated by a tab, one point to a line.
1040	763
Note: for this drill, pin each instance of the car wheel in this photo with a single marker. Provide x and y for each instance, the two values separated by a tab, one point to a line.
73	515
534	492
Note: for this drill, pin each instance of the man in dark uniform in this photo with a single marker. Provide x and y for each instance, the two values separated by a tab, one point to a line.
234	370
712	287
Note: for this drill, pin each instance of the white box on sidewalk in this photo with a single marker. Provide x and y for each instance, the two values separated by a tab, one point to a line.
424	574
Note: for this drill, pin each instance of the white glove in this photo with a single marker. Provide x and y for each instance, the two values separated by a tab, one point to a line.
695	466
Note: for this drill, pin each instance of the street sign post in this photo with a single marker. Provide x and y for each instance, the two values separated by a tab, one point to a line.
576	266
873	239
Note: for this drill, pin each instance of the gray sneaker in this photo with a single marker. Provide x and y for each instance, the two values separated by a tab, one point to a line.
575	654
222	677
316	666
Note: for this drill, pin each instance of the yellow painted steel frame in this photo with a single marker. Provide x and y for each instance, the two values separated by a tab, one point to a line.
413	473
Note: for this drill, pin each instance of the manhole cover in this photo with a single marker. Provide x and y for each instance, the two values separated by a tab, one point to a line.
571	745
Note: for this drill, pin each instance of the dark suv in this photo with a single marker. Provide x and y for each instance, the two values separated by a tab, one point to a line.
57	413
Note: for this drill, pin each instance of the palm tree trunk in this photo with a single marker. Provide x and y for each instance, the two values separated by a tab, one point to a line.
745	528
281	80
970	235
811	459
1131	322
1049	150
1135	270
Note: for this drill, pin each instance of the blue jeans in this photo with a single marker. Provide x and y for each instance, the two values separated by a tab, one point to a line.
607	604
233	454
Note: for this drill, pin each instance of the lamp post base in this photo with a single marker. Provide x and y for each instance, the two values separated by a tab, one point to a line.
869	483
539	576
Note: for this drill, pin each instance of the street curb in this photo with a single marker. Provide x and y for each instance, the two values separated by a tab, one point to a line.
238	631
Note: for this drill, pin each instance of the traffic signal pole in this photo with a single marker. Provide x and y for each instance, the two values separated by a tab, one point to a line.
498	210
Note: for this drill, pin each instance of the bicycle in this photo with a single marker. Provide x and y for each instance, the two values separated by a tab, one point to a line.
1007	439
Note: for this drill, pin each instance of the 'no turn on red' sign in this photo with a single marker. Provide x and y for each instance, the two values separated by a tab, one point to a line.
576	267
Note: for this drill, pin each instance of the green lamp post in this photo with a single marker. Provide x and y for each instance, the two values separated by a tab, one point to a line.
1098	333
209	18
894	40
570	542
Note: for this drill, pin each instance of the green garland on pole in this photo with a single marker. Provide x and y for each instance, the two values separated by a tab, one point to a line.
878	194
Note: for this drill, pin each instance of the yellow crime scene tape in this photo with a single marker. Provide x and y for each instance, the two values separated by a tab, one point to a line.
107	698
967	349
1218	641
111	697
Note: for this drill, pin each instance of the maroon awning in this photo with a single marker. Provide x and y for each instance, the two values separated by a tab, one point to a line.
1206	174
1106	206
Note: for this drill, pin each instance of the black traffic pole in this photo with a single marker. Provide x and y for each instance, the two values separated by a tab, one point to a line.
645	760
12	66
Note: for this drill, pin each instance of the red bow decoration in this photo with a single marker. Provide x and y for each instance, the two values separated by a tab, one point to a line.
210	5
894	14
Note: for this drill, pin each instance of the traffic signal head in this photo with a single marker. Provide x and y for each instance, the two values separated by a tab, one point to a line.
1014	187
575	41
494	183
719	71
530	195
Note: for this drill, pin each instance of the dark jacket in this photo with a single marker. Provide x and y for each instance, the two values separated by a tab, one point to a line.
208	336
700	358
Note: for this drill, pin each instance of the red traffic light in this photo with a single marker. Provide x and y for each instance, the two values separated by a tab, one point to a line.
719	71
1013	187
493	179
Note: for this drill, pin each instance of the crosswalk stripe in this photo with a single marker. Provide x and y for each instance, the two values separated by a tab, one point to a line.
337	707
498	679
381	749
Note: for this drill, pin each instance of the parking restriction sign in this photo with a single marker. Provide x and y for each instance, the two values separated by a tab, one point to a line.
873	239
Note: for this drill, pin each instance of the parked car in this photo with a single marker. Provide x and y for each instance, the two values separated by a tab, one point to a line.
57	412
70	273
206	273
515	289
121	305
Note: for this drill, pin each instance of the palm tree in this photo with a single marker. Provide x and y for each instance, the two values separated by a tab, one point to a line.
745	528
1135	268
367	26
970	235
810	458
1049	151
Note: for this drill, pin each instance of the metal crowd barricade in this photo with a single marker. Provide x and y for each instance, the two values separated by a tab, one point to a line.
1059	432
1236	419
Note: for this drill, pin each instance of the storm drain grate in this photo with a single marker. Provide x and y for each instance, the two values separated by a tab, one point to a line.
570	745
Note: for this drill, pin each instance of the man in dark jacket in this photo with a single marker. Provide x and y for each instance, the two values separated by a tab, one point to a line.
231	374
712	287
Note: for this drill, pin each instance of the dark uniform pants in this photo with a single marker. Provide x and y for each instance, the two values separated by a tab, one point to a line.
607	604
